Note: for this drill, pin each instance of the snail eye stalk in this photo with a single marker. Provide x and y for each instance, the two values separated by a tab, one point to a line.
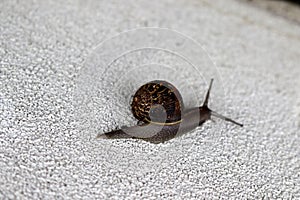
213	113
208	93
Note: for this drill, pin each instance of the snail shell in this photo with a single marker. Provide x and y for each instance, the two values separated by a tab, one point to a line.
157	101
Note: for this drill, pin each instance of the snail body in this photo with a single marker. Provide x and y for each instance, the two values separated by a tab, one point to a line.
159	109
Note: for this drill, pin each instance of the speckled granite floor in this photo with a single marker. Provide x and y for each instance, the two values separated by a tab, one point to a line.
47	151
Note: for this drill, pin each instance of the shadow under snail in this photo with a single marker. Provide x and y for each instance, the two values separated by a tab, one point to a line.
159	109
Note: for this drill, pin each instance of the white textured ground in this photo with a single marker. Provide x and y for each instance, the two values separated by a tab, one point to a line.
44	154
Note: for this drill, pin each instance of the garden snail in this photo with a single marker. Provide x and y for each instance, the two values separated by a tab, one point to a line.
159	109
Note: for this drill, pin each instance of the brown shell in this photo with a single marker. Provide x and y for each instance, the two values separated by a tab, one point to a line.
148	97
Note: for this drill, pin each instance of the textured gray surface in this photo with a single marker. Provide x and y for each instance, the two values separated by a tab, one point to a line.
43	153
286	9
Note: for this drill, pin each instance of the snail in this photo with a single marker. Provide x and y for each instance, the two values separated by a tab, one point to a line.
159	109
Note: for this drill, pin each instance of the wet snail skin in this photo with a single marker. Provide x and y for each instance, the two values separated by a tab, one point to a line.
159	109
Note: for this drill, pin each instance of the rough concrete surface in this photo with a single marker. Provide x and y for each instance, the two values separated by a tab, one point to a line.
47	151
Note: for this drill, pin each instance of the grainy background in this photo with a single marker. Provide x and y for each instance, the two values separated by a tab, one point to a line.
43	153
